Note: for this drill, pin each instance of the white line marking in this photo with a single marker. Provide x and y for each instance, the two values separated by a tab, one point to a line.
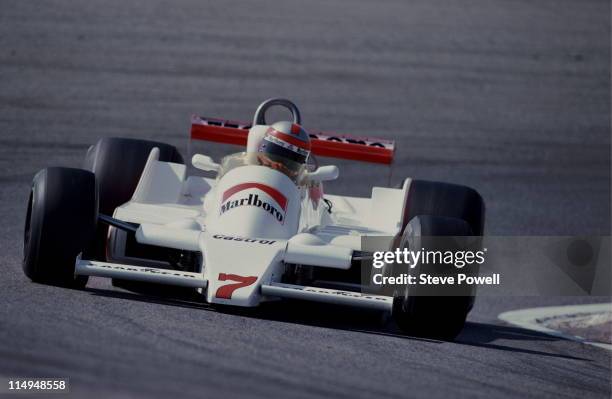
528	319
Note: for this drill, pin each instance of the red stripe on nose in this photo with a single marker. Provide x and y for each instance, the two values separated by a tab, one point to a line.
271	191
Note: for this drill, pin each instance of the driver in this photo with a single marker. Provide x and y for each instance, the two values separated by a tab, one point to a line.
285	147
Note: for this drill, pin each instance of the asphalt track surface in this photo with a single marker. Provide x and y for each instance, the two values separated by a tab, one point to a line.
510	97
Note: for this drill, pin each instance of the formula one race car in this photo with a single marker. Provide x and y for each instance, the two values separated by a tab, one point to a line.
260	230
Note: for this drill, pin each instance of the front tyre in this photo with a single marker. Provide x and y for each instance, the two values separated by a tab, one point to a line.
60	223
433	311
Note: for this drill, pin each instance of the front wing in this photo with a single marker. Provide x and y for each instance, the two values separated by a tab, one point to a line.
196	280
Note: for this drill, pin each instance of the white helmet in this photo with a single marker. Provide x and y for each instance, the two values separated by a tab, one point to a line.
283	142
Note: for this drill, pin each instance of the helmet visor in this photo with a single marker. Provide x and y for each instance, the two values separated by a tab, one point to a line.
272	145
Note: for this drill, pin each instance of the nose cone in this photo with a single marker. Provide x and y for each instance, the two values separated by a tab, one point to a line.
235	267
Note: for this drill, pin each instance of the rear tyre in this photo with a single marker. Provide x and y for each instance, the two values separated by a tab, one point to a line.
60	223
445	199
118	164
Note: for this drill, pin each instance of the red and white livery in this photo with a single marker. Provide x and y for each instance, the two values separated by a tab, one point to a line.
260	229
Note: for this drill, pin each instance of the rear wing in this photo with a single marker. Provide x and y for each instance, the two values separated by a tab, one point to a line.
322	143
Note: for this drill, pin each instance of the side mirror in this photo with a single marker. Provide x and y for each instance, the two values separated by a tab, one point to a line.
324	173
204	162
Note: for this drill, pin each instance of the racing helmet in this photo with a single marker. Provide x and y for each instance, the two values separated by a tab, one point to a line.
285	146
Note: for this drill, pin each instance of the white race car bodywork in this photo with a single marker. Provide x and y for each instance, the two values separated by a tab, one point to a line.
247	225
